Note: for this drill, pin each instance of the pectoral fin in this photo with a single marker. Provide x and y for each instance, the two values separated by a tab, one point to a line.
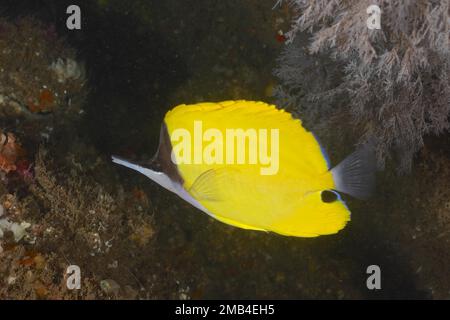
209	185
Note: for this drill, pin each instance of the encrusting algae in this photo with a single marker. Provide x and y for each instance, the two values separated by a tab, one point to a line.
10	152
39	72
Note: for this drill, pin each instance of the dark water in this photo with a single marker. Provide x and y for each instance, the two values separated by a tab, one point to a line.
144	57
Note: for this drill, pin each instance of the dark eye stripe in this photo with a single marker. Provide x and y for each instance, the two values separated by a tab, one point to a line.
162	160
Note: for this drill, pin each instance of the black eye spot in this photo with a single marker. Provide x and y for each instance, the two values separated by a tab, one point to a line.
328	196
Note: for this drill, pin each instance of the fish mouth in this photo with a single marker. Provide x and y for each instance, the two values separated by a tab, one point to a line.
161	163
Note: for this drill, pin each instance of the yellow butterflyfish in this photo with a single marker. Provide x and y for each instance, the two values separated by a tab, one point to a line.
254	166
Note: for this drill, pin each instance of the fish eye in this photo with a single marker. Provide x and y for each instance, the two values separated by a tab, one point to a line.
328	196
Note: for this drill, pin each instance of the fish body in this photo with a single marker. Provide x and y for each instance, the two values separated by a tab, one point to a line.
277	178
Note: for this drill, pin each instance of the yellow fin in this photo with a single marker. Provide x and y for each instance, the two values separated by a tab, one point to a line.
207	187
237	224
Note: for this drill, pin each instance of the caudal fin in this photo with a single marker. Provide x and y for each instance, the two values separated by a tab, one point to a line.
355	175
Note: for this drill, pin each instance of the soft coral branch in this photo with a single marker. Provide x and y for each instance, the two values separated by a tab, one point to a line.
396	79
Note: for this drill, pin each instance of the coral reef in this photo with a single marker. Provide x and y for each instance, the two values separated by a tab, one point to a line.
39	72
85	207
39	75
396	79
68	203
13	227
66	70
28	274
10	212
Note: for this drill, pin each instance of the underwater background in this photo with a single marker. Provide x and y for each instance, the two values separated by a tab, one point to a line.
71	98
